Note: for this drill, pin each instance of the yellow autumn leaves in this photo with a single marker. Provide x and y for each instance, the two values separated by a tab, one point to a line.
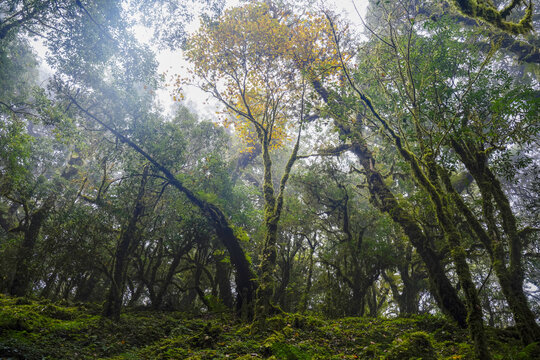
253	58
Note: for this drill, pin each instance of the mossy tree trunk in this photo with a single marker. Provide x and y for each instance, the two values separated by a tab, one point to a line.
223	281
523	49
510	275
486	11
31	229
244	275
272	213
269	251
384	200
407	299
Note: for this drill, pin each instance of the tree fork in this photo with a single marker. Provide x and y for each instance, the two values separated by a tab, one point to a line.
445	294
510	278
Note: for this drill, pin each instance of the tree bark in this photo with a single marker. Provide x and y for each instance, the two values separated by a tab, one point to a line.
383	199
245	277
113	305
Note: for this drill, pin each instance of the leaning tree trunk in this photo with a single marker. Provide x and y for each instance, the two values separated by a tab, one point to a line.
384	200
244	275
510	276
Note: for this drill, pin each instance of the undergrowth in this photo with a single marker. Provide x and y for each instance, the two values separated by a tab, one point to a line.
39	329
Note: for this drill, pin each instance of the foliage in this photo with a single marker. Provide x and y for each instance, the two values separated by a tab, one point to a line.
251	60
38	328
411	186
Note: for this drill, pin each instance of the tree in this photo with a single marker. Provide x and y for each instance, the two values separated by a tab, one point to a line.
251	61
404	85
422	177
356	247
83	42
384	199
494	85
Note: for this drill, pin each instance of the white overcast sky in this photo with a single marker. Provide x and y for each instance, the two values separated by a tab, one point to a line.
173	62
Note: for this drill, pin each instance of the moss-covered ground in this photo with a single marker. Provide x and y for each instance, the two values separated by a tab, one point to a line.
39	329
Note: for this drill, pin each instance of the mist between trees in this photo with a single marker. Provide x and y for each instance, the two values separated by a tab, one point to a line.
388	170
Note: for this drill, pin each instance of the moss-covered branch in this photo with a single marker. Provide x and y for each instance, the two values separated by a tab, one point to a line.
486	11
245	277
384	200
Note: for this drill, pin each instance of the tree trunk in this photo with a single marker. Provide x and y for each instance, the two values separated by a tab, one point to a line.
510	277
305	296
281	292
272	213
224	283
170	275
113	305
86	287
357	304
192	293
245	277
22	278
383	199
49	284
407	300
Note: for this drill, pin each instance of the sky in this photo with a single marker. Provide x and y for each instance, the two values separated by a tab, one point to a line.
174	63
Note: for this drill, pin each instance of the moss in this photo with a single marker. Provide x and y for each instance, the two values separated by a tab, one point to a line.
530	352
416	345
276	323
208	337
69	332
288	352
487	12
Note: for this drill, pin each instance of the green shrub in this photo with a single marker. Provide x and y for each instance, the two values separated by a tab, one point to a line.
530	352
416	345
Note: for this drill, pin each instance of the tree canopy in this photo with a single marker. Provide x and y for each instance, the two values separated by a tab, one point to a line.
383	170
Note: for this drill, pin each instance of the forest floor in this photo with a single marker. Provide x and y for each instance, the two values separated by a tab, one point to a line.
39	329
